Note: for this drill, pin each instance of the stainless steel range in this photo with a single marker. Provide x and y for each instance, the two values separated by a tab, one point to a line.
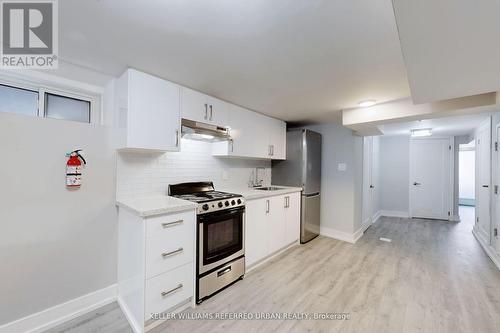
220	236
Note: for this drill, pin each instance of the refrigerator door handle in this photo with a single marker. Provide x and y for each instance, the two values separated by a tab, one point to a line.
311	195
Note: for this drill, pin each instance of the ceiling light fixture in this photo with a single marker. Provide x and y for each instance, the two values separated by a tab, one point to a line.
366	103
421	132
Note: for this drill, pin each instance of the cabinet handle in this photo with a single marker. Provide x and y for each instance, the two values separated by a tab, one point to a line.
232	146
272	150
268	208
166	293
171	224
206	110
269	150
287	201
177	138
211	112
168	254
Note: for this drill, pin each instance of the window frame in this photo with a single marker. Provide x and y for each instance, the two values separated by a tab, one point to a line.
95	100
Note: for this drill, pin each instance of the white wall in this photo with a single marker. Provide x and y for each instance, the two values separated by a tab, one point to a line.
55	244
394	173
341	191
145	174
376	174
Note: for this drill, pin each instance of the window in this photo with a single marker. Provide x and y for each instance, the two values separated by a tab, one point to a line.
61	107
30	100
17	100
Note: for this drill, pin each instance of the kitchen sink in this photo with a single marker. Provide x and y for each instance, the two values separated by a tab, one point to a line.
269	188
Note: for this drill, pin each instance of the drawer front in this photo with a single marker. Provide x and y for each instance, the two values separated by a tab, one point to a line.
170	250
165	224
168	290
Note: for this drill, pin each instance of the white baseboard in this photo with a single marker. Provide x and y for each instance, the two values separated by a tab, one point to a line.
339	235
490	251
61	313
376	216
394	213
455	218
130	318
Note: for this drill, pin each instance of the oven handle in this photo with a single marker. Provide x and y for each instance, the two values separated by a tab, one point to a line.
224	271
214	215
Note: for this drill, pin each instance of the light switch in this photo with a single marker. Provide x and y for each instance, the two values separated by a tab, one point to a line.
342	167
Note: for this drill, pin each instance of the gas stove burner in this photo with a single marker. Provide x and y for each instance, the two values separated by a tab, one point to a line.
205	195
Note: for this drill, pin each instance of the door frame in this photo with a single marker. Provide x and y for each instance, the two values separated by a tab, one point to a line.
495	198
451	189
485	124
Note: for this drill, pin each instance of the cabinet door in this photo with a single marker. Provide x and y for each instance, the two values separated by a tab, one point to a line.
256	233
246	140
277	139
292	214
153	112
218	112
195	106
276	223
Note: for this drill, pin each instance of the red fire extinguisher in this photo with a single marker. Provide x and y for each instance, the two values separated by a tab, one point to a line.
74	169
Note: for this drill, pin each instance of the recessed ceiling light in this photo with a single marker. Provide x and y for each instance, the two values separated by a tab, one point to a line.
421	132
366	103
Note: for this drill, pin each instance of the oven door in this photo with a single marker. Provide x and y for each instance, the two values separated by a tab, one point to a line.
220	238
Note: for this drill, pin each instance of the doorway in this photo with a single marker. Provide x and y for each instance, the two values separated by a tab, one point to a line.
467	182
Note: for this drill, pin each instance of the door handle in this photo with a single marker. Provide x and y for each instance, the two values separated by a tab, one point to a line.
416	184
206	110
486	186
177	138
371	186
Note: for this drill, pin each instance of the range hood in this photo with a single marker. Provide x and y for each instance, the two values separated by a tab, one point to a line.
204	132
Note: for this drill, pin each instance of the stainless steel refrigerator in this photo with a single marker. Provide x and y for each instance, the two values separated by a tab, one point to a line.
302	168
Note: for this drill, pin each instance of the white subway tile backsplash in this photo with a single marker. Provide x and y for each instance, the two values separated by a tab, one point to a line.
146	174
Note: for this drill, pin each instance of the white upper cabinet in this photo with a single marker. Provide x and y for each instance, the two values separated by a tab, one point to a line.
253	136
277	138
203	108
148	112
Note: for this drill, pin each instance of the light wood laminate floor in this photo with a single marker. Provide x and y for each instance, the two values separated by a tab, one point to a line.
432	277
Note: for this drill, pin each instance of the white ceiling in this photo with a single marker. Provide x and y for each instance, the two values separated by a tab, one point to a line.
450	126
450	47
295	60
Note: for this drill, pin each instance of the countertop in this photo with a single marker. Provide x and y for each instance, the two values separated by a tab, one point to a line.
251	194
155	205
164	204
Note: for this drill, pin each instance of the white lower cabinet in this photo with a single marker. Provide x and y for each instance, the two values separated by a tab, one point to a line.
271	224
155	264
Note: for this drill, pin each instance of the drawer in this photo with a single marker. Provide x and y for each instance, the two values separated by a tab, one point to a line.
165	224
168	290
166	251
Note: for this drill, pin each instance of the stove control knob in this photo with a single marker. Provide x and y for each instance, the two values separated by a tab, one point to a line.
233	202
220	204
205	207
226	203
239	201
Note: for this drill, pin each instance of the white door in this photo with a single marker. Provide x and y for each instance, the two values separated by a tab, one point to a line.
195	106
483	181
276	223
496	224
368	186
256	231
292	214
277	139
431	174
154	112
